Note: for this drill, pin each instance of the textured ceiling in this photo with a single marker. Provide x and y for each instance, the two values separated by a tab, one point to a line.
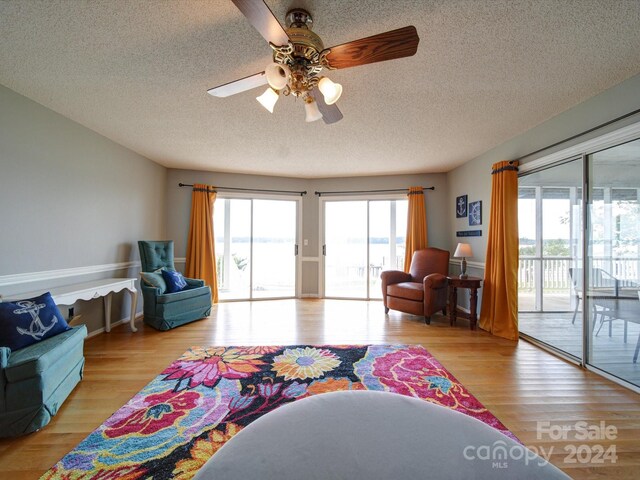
138	71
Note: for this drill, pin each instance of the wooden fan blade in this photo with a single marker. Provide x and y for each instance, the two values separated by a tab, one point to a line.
237	86
399	43
263	20
330	113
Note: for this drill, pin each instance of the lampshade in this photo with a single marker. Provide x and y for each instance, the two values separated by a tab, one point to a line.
277	75
311	108
268	99
463	250
330	90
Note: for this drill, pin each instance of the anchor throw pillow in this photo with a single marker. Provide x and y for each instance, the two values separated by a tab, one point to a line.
29	321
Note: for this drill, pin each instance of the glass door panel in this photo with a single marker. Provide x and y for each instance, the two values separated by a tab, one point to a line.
232	229
613	261
345	262
550	226
387	229
529	263
556	252
274	243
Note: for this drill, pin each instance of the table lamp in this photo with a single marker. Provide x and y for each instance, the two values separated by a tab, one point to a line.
463	250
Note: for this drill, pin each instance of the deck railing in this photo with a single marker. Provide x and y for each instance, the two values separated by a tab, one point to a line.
555	272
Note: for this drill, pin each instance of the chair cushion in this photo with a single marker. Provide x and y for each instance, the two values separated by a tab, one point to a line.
154	279
408	290
29	321
183	295
175	281
32	361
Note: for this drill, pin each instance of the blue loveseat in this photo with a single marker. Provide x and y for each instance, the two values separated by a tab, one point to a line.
163	310
35	380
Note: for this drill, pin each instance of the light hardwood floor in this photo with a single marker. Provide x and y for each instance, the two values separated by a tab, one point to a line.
519	383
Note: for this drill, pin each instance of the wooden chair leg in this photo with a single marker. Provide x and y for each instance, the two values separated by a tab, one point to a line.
427	320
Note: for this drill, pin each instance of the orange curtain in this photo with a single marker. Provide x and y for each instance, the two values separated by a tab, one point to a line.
499	314
201	254
416	225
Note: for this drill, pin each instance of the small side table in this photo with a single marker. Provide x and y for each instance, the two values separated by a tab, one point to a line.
473	284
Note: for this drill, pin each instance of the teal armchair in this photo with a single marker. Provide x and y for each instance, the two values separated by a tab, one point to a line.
35	380
163	310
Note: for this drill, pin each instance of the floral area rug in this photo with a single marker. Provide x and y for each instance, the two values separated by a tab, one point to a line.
180	419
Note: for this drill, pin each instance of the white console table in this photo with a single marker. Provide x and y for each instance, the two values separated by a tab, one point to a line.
70	294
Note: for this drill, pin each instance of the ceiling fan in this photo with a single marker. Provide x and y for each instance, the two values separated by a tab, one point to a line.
299	57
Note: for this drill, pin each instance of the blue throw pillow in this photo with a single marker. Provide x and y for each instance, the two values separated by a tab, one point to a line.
25	322
175	281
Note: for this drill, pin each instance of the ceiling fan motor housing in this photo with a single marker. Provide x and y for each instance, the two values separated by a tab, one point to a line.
306	44
302	54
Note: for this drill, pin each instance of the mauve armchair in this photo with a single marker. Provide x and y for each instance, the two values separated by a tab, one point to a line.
422	291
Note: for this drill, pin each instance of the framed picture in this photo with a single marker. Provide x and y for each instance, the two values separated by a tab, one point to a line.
461	206
475	213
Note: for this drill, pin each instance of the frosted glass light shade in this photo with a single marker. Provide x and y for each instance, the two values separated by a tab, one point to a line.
268	99
463	250
277	75
313	114
330	90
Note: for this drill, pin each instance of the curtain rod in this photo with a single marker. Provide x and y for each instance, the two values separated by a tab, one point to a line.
250	189
617	119
370	191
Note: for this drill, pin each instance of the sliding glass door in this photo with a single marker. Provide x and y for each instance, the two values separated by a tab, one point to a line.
362	238
256	248
613	261
345	249
550	226
582	298
274	248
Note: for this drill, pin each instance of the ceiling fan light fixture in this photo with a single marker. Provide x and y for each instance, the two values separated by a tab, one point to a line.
330	90
268	99
311	110
277	75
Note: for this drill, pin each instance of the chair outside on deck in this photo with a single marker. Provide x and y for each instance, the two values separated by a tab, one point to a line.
163	310
422	291
602	282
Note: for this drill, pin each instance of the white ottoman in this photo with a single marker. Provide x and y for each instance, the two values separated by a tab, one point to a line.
370	435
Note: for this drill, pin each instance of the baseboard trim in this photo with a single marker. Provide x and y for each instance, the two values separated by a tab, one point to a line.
18	278
309	295
100	330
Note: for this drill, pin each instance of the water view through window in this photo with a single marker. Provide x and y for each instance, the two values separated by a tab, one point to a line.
362	239
255	241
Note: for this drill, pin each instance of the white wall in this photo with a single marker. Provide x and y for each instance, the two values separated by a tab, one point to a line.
71	198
